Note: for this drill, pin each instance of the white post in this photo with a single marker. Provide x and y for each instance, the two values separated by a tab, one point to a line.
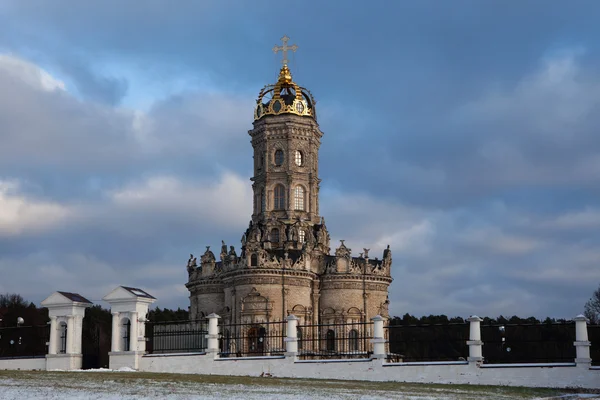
213	334
53	336
582	344
475	344
70	333
291	341
115	333
378	337
133	333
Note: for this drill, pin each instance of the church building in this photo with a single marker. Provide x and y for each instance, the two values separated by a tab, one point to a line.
285	265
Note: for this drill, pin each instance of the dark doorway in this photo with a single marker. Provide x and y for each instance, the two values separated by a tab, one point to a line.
256	340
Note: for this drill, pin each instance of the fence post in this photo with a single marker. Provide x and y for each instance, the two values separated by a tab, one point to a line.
378	337
213	334
475	344
291	341
582	344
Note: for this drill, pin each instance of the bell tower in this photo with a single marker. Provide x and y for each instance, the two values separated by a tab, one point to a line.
286	140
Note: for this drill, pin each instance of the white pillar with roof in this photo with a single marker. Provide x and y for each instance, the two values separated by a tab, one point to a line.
65	308
128	304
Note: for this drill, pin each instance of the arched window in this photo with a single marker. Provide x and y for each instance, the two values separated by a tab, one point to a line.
301	235
298	159
263	201
254	260
279	197
279	157
299	198
299	336
353	340
125	333
275	235
330	340
63	338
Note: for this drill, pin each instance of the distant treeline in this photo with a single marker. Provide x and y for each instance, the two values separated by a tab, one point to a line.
408	319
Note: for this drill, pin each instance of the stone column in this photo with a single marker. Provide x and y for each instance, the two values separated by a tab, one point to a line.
475	344
53	336
70	333
582	344
291	341
378	337
133	333
213	334
115	343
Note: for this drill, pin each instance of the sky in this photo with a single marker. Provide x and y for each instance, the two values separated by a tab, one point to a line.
463	134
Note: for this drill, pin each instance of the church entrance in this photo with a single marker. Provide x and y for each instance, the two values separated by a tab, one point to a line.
256	340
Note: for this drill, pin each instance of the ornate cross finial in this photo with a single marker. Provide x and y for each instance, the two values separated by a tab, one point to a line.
284	49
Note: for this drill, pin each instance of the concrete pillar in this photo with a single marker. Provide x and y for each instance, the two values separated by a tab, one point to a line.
115	340
70	334
475	344
53	336
582	344
133	333
291	341
213	334
378	337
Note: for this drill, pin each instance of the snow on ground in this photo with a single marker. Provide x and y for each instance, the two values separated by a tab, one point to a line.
108	385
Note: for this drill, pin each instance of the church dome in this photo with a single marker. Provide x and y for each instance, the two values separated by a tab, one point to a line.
285	97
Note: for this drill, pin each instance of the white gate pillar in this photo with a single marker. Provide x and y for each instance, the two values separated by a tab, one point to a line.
475	344
378	337
69	308
291	341
213	334
582	344
127	303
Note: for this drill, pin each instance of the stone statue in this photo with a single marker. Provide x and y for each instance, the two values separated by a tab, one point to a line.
223	247
366	252
322	220
232	252
243	240
192	264
292	234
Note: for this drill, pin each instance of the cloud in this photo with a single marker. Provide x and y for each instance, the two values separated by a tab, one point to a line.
29	73
20	215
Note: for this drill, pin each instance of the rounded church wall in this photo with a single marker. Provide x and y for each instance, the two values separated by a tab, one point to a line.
207	303
341	295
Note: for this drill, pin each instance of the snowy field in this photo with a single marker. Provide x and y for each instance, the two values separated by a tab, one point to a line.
90	385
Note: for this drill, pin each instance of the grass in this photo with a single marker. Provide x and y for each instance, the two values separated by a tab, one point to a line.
161	384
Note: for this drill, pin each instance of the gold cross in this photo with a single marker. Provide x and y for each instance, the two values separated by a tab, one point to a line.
284	49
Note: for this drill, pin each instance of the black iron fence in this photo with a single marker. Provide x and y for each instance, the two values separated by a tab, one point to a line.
252	340
335	341
428	342
528	343
594	337
176	336
24	341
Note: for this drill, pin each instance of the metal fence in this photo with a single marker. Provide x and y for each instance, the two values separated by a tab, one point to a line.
594	337
252	340
176	336
528	343
335	341
427	342
24	341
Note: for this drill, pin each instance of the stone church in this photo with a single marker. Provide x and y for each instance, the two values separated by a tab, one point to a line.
285	265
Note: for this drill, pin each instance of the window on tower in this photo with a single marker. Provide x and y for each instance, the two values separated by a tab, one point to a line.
275	235
279	197
301	235
279	157
299	198
298	158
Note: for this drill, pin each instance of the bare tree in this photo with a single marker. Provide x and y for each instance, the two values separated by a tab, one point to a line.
592	308
12	300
